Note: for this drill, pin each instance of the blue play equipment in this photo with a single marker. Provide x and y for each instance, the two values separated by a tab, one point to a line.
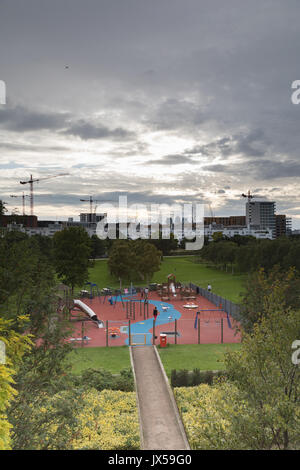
196	320
144	326
228	321
94	289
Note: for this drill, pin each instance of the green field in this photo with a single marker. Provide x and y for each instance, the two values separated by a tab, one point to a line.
186	270
194	356
113	359
182	356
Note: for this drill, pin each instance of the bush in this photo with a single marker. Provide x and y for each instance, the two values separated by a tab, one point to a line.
196	377
101	379
184	378
208	377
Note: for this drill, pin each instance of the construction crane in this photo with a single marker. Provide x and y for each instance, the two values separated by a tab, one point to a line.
23	200
91	201
249	196
31	181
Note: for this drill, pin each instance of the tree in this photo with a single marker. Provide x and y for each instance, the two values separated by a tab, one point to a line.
44	372
98	247
281	286
16	345
71	255
267	379
256	406
217	236
148	259
165	245
122	259
2	207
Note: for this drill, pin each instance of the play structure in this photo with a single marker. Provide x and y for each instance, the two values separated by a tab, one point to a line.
114	331
79	305
170	289
173	290
215	314
190	305
127	317
134	307
93	291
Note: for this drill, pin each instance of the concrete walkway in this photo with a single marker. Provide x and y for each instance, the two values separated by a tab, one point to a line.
160	423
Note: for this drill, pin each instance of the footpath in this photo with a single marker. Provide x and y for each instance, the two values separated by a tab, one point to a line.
160	423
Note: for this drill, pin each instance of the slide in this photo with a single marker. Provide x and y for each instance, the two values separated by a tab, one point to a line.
84	308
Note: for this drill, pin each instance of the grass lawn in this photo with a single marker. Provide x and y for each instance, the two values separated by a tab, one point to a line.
112	359
186	270
192	356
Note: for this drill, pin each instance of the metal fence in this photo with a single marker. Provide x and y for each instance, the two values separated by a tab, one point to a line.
229	307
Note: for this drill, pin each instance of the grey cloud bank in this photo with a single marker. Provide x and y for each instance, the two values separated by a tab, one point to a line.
165	96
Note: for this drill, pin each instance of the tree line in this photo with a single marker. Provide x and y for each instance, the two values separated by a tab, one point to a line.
247	254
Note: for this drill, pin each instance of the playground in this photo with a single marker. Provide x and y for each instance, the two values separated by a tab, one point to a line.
112	317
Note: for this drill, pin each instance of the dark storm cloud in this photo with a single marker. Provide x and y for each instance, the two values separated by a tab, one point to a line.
133	197
87	131
249	144
173	114
218	168
32	148
176	159
272	169
21	119
262	168
253	144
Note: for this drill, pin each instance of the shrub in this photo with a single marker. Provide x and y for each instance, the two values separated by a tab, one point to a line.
101	379
196	377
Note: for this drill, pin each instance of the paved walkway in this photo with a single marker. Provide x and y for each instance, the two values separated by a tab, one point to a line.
161	427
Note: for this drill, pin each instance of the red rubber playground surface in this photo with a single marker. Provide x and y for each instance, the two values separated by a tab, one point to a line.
214	324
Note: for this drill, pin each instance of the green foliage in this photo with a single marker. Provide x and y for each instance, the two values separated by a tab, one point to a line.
165	245
196	377
101	379
2	208
267	379
184	378
71	255
278	287
121	262
16	345
79	419
148	259
133	260
98	247
256	405
25	275
249	254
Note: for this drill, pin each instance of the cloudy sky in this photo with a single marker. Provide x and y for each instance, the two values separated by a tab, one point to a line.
162	100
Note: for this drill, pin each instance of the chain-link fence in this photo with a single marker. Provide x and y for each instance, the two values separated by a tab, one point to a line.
229	307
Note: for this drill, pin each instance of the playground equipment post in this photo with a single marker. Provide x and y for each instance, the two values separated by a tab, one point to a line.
221	330
129	332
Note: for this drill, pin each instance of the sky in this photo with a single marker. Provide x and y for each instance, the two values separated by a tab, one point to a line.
165	101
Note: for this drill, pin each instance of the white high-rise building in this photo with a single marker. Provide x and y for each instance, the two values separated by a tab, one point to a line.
261	214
